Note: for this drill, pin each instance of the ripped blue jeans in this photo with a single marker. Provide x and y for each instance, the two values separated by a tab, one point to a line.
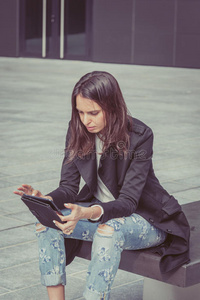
132	233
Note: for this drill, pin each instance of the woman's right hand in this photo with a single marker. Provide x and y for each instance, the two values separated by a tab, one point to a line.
29	190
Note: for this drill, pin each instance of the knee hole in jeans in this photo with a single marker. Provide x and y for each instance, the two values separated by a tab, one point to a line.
40	227
105	230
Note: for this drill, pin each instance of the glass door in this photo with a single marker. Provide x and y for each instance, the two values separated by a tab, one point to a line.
77	24
31	28
55	28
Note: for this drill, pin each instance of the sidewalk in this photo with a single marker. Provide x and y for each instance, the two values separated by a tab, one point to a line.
34	114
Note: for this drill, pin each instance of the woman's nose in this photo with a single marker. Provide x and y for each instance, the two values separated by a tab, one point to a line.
86	119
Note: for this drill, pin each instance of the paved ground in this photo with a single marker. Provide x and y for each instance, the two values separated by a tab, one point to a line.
35	110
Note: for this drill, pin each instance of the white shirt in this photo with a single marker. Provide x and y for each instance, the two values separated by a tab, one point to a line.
102	194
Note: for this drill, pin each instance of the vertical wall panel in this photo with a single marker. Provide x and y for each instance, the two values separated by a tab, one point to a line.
188	34
9	27
154	32
112	27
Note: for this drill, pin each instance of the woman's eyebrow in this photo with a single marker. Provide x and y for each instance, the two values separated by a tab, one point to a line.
95	110
88	112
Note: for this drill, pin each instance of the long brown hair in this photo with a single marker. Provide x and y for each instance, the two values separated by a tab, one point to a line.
104	89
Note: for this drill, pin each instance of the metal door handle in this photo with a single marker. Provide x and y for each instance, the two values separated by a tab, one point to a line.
52	18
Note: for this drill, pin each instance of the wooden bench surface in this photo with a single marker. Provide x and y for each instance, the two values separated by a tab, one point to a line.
146	263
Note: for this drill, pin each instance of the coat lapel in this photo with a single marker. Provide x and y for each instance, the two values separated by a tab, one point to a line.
88	170
108	171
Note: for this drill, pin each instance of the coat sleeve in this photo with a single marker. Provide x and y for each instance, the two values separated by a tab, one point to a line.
134	181
69	182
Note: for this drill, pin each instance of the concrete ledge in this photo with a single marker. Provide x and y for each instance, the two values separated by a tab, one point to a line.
153	289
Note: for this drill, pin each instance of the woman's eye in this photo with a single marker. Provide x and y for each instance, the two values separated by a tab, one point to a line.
94	113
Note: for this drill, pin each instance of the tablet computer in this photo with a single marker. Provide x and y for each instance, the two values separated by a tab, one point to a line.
43	209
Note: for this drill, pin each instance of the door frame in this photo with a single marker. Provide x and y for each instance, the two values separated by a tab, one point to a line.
57	34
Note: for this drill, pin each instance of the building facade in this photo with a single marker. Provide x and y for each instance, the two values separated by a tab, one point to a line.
143	32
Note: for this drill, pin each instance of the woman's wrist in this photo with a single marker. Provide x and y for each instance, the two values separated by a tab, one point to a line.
96	213
92	212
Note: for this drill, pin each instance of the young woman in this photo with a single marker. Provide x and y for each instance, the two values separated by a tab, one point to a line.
122	204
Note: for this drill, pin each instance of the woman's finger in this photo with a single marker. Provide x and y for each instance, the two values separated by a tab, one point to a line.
59	225
70	205
66	228
64	218
68	232
27	186
18	193
21	189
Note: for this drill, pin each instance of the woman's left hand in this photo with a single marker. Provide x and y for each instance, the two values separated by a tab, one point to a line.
70	220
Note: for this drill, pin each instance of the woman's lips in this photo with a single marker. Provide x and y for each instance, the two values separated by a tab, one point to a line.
90	128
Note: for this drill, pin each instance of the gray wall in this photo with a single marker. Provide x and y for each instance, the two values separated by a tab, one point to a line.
188	33
149	32
112	30
9	27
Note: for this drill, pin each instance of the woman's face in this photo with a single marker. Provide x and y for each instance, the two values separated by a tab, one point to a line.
91	114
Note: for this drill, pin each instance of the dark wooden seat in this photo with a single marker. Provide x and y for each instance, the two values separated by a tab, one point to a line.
146	263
